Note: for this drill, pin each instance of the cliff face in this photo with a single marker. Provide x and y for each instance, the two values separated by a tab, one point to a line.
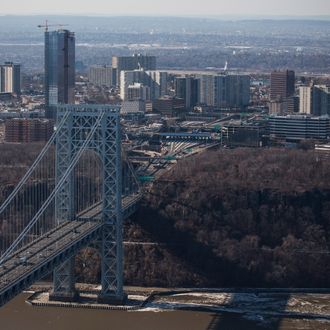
235	218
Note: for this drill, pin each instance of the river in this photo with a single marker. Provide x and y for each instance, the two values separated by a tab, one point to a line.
18	315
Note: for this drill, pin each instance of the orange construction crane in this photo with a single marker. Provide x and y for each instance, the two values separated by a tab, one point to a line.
46	25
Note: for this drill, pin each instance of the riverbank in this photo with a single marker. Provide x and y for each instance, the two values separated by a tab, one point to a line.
257	304
161	314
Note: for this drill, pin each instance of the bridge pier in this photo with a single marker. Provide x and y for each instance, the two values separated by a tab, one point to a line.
111	265
64	283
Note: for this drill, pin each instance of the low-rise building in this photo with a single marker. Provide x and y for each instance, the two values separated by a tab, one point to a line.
168	106
25	130
235	135
299	127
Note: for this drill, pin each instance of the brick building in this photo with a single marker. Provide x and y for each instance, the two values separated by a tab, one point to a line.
28	130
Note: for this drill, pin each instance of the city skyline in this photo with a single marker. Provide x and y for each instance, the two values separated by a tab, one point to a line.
171	8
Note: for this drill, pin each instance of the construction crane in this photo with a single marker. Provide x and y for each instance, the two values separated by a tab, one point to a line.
46	25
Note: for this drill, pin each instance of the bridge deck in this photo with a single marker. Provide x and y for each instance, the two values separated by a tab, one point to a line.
37	259
42	249
40	257
128	204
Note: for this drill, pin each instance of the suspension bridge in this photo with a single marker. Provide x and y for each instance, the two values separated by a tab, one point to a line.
77	192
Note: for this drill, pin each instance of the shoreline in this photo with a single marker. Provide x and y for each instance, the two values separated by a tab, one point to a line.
269	303
96	287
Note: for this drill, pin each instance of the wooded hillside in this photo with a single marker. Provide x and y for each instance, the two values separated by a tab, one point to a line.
241	217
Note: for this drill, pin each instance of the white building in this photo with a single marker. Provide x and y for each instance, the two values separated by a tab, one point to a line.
155	80
305	99
10	78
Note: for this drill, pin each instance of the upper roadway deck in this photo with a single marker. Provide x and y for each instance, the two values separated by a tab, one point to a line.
40	257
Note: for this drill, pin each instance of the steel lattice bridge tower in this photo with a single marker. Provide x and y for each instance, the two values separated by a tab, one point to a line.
55	211
106	143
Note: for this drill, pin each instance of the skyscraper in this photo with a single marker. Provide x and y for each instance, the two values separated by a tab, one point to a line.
59	69
282	85
10	78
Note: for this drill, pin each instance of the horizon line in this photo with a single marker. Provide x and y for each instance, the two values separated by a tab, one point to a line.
205	16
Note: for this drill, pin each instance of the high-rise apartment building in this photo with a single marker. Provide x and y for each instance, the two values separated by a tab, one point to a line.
305	99
206	89
155	80
130	63
187	88
220	92
59	69
237	90
10	78
224	91
138	92
320	100
282	85
101	75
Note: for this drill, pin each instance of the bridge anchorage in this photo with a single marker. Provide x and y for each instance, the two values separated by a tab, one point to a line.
77	192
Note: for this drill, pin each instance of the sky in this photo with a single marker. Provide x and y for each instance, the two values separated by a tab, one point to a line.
168	7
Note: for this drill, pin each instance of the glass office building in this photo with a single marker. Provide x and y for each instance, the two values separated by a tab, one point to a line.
59	69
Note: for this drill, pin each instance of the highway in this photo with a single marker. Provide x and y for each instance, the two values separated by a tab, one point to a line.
94	211
27	260
40	257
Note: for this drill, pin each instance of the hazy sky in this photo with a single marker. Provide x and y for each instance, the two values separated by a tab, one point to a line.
168	7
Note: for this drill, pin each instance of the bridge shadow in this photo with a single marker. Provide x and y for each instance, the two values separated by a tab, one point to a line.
183	245
228	321
238	312
249	315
